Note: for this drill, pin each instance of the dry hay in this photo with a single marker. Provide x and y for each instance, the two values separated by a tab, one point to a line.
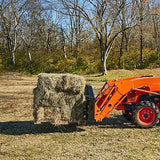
59	98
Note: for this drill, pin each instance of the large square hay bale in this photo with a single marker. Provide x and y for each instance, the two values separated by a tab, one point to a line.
59	98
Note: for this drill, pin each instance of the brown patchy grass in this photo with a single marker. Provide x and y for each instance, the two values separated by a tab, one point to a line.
21	139
121	73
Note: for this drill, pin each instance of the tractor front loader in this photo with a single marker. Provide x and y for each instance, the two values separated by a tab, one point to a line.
137	97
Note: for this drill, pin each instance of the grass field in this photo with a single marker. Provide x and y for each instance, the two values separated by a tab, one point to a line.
116	139
115	74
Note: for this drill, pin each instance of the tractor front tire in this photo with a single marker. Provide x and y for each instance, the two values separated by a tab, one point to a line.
145	115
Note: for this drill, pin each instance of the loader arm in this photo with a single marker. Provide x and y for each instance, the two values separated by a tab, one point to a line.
115	91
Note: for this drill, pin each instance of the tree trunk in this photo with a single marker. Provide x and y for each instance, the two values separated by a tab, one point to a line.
123	33
71	34
64	51
156	36
127	42
103	56
141	34
157	52
30	58
121	49
104	65
13	57
141	48
63	43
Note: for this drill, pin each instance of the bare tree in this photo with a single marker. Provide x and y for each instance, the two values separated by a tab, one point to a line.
141	15
155	14
27	29
76	24
11	12
63	42
102	16
123	26
127	17
141	8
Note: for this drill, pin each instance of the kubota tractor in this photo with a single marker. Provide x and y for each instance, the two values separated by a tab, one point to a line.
137	97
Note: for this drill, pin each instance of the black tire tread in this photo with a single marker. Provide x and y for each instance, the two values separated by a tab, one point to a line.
141	105
126	116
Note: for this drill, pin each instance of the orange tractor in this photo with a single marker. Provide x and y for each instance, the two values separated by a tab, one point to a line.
137	97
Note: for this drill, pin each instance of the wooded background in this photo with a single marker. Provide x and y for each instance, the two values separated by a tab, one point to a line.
79	36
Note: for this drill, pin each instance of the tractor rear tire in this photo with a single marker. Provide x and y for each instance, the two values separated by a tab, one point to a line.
145	115
127	114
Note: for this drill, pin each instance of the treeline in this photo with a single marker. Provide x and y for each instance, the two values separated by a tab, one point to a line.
79	36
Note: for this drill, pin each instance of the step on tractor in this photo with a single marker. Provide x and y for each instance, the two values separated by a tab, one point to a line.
137	97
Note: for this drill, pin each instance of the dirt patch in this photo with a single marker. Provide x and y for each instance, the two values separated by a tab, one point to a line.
21	139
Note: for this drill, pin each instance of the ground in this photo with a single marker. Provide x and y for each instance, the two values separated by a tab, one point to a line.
21	139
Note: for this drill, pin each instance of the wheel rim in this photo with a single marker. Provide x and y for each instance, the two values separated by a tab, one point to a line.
146	115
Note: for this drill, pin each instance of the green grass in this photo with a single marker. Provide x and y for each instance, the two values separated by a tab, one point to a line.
118	74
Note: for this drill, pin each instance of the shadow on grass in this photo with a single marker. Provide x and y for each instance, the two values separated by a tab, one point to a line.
118	121
158	124
100	75
28	127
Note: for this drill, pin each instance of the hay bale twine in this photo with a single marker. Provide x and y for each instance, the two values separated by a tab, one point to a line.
59	98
